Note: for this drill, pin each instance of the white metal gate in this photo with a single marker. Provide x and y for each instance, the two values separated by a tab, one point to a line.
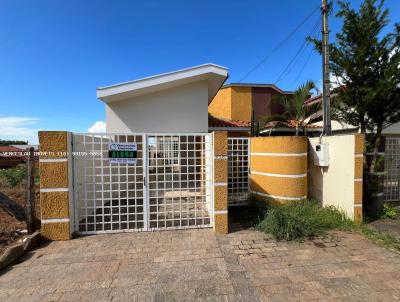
169	187
238	170
391	185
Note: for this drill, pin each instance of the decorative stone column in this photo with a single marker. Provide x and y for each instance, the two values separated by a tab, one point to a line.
358	177
56	192
220	175
278	168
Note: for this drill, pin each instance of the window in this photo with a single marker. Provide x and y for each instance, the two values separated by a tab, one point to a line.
169	146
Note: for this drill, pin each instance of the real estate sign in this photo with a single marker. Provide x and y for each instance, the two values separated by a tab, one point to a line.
122	153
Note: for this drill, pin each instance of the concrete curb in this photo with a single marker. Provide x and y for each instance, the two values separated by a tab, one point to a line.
13	252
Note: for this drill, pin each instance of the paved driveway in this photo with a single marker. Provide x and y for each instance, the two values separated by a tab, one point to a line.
197	265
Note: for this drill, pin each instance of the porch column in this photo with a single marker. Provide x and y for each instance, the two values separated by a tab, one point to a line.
220	176
56	193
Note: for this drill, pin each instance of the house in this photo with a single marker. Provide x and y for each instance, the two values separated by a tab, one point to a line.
170	102
10	157
241	102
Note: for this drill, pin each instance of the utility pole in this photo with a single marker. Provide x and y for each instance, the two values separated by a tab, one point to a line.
326	99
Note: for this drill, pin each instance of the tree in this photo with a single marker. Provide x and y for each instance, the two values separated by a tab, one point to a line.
367	63
295	110
11	142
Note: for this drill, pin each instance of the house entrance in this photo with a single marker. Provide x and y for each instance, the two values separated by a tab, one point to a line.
167	186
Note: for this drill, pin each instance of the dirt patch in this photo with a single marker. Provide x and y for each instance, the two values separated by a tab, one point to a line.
10	228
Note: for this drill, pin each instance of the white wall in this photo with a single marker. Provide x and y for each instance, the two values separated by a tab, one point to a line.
179	109
393	129
334	185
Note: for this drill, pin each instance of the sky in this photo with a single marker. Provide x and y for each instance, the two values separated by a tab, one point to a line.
54	54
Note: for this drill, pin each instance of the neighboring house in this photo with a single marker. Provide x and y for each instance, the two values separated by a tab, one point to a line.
11	156
337	127
238	102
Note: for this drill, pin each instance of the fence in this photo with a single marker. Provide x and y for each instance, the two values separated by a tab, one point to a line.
238	170
168	187
391	185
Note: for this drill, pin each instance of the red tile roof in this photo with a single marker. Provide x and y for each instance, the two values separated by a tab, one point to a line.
6	151
215	122
314	99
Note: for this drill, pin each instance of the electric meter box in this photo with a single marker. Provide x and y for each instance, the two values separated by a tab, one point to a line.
321	155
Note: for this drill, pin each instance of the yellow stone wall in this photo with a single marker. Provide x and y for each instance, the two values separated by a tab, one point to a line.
54	163
358	176
54	205
241	100
278	168
54	143
220	175
55	231
53	174
221	105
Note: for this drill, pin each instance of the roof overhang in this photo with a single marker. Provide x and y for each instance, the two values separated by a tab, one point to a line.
215	75
258	85
229	128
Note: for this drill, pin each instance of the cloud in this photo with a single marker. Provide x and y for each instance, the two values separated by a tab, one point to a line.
98	127
19	128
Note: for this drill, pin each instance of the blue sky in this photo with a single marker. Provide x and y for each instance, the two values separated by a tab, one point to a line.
53	53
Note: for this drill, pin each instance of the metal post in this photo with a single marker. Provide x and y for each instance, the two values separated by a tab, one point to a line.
30	192
327	130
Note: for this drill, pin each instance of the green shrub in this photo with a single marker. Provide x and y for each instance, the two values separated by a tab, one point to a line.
389	211
300	220
13	176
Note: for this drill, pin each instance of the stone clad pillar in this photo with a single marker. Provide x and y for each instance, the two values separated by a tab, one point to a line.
56	192
358	176
278	168
220	176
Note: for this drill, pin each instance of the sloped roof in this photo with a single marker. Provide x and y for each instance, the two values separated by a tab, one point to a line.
263	85
215	75
214	122
6	149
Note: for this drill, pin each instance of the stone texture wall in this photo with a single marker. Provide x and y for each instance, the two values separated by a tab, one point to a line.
55	184
278	168
220	174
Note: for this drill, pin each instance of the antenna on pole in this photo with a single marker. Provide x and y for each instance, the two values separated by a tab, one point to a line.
326	107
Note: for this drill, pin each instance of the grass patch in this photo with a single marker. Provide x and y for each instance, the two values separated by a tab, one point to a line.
307	219
299	220
380	238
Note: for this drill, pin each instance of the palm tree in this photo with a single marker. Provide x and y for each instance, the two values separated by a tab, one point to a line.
296	112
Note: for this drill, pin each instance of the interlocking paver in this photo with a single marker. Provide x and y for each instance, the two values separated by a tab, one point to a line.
197	265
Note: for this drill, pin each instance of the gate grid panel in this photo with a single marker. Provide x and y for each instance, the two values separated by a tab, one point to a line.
179	181
108	197
238	170
392	168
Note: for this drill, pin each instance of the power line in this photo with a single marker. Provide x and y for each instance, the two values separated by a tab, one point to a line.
289	67
304	65
280	44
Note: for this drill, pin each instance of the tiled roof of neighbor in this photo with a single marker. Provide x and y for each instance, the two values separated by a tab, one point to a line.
5	149
313	99
214	122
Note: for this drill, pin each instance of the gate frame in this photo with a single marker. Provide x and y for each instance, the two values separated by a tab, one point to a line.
146	195
242	202
391	193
